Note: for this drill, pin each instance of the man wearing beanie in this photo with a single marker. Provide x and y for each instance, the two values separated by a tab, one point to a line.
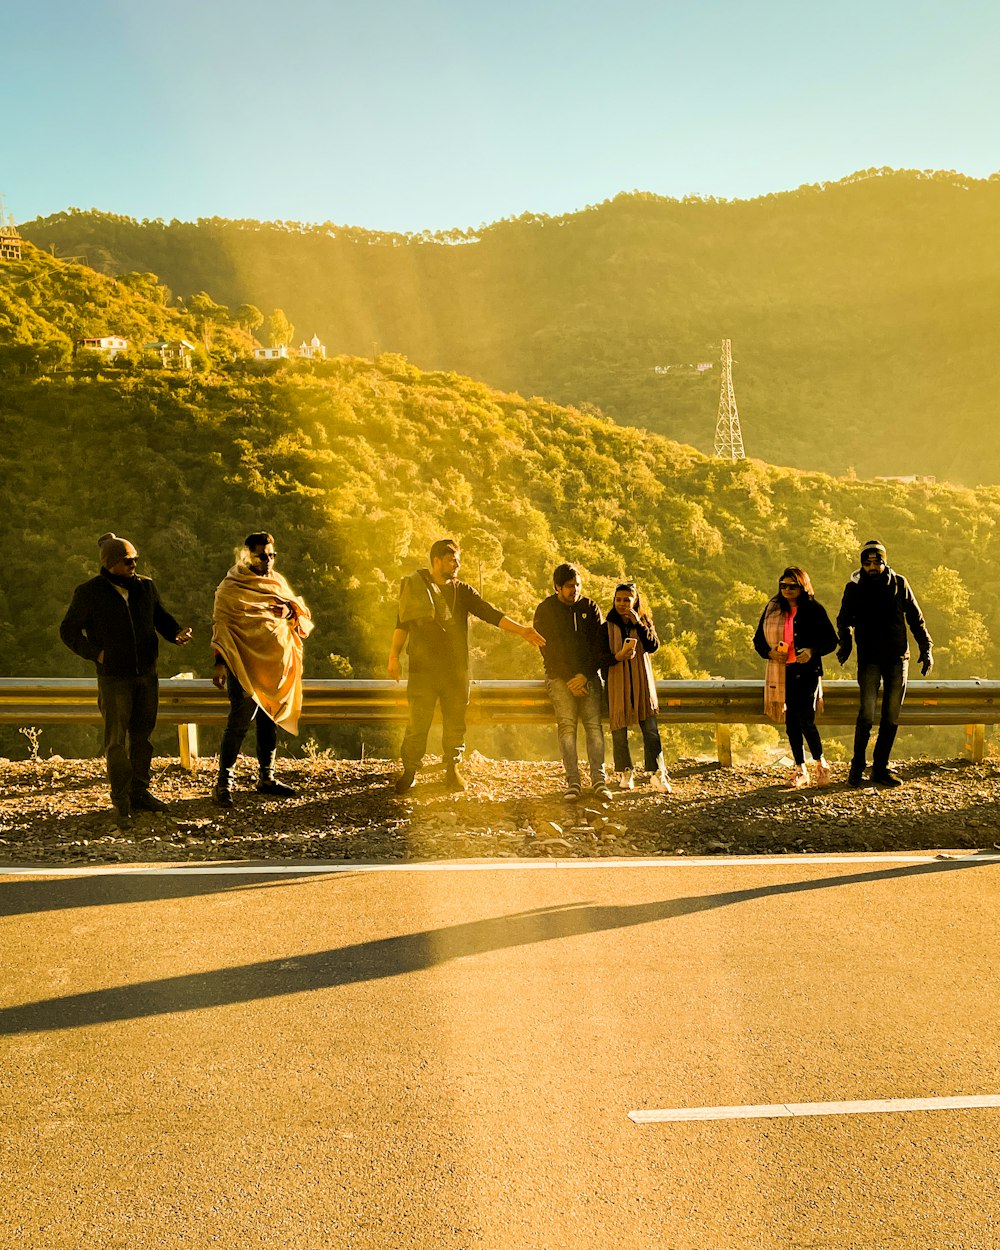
575	648
878	605
113	620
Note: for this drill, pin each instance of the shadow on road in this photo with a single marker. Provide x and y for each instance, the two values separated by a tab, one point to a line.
396	956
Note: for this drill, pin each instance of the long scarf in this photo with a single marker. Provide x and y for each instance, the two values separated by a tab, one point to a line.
263	651
774	674
631	688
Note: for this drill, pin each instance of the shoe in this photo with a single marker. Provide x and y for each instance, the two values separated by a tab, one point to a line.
886	779
603	791
453	779
822	772
856	776
626	780
798	778
223	796
660	781
123	817
573	793
405	781
147	802
278	789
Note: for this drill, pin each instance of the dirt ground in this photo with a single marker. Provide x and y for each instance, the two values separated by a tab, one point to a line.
58	811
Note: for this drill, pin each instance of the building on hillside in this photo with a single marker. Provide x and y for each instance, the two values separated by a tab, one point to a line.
173	353
271	353
911	479
10	242
111	345
313	350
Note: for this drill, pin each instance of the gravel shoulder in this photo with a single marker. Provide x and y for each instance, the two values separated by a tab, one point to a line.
58	812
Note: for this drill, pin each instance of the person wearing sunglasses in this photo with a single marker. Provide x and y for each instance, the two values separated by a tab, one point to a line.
258	627
113	620
793	635
876	609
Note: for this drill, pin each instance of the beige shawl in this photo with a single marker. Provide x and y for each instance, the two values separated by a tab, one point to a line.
631	688
774	675
264	651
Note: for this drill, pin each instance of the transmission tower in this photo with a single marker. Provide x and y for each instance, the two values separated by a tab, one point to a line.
728	436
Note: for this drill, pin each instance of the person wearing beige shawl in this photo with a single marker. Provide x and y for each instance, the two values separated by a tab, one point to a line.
258	628
793	635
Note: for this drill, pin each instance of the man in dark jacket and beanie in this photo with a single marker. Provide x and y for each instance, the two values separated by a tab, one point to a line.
113	621
575	650
878	605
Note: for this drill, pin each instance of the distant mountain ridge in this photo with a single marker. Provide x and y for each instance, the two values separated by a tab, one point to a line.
863	313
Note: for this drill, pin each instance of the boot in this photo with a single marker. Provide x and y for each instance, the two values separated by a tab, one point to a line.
223	791
453	779
269	784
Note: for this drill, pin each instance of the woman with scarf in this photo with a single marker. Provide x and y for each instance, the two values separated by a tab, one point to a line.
631	640
793	635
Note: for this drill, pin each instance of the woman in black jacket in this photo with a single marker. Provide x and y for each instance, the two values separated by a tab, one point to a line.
793	635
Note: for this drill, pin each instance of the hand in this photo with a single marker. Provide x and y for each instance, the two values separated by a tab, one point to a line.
184	637
394	668
803	656
530	634
843	652
219	675
100	656
926	664
780	655
577	685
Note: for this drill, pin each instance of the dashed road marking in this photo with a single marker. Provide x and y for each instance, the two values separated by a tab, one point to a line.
770	1111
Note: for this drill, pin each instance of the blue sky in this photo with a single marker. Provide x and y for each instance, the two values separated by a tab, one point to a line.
428	114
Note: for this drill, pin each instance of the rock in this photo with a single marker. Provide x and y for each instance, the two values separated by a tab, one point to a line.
548	828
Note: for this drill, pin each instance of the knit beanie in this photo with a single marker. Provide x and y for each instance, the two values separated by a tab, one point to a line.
874	545
112	549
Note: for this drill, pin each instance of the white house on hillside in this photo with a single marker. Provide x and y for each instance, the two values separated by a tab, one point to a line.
271	353
111	344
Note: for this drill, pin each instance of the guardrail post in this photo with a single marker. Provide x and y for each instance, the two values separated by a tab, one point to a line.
724	745
975	742
187	737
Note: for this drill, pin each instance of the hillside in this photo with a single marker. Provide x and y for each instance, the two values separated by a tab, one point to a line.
862	313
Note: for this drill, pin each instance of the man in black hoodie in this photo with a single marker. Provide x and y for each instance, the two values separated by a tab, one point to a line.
575	647
878	605
113	620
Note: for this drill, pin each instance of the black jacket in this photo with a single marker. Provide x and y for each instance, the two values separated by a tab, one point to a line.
99	619
878	609
812	630
574	640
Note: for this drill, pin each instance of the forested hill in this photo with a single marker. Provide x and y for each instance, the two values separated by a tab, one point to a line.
356	467
862	313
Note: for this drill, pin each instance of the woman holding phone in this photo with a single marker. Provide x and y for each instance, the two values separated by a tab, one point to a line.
793	635
632	639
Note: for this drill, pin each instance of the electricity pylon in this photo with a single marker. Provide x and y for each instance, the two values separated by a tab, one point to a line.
728	436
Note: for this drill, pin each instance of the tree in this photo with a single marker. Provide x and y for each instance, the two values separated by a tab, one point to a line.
279	328
209	314
249	317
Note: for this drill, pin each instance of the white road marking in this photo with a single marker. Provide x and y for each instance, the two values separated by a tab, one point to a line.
473	865
767	1111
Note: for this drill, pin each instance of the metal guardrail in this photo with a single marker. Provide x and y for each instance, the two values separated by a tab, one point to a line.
186	701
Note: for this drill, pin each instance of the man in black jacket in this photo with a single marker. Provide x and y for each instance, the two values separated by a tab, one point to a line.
878	605
575	649
113	620
433	620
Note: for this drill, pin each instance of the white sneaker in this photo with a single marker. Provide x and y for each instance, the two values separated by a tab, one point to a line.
798	778
823	772
626	781
660	781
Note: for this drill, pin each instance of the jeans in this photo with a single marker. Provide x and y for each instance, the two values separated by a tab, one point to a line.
892	677
801	689
423	692
244	708
652	748
128	705
570	709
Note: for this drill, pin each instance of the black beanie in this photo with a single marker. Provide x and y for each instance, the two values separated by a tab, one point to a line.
872	544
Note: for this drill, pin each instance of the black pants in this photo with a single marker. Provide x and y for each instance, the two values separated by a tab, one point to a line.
128	705
423	692
244	708
801	690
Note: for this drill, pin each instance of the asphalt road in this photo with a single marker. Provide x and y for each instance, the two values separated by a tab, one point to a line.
447	1059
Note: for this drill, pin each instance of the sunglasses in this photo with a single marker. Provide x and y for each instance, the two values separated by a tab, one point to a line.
789	586
130	559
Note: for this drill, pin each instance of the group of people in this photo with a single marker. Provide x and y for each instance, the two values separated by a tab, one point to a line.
258	627
595	666
584	655
795	632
